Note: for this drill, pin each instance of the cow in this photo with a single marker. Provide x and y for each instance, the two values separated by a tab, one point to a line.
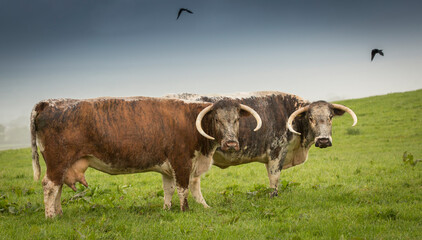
277	144
131	135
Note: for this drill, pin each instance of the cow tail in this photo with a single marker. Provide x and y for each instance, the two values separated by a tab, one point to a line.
35	157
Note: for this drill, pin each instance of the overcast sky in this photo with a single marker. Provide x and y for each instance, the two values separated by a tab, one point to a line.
315	49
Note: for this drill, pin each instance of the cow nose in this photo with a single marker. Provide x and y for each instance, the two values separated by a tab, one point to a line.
230	145
323	143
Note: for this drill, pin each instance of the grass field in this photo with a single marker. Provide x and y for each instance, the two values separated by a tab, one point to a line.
358	189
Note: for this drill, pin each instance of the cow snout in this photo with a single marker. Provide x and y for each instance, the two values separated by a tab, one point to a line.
323	143
230	146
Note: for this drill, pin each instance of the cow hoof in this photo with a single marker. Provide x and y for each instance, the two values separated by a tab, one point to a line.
53	215
185	207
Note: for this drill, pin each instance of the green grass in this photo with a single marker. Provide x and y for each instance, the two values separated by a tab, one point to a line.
358	189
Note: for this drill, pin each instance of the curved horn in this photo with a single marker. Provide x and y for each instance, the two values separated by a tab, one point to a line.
349	111
199	121
293	116
254	114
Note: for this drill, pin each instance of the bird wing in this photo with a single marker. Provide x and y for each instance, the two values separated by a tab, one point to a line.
374	51
180	12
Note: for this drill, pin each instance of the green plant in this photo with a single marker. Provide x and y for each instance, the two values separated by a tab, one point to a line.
409	159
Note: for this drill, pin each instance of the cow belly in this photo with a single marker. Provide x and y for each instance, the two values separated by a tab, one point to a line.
80	166
76	172
100	165
225	160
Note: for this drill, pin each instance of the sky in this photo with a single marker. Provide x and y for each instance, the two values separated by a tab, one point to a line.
314	49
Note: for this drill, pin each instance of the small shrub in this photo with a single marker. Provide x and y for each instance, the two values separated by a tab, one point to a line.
287	185
14	209
160	193
123	189
409	159
259	190
233	220
389	214
231	190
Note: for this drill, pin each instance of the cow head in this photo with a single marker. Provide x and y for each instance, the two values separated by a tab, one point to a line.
318	118
222	120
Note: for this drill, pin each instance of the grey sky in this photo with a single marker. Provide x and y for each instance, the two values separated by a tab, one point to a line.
316	49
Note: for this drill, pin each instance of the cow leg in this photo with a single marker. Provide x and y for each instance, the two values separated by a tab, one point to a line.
182	172
58	202
183	193
52	194
195	188
201	165
168	186
273	175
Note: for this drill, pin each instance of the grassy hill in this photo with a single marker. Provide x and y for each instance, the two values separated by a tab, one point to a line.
358	189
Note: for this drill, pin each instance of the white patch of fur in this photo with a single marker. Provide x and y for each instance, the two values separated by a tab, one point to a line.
66	103
52	194
296	153
36	170
40	144
273	172
169	188
200	165
35	161
195	188
183	197
240	95
164	168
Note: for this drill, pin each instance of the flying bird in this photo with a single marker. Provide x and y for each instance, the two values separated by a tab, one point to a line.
181	10
375	51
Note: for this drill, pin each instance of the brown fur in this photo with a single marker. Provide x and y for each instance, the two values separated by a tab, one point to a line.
127	135
123	134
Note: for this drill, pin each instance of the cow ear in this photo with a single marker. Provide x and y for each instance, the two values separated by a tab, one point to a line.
244	113
338	112
302	115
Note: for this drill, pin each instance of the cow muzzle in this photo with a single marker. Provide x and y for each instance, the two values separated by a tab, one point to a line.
230	145
323	142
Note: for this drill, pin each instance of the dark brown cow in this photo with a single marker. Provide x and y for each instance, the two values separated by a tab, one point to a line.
277	144
129	135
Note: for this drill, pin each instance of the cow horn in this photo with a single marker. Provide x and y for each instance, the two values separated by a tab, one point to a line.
349	111
293	116
199	120
254	114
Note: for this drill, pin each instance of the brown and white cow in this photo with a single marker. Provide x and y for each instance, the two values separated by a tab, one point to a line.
274	144
130	135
